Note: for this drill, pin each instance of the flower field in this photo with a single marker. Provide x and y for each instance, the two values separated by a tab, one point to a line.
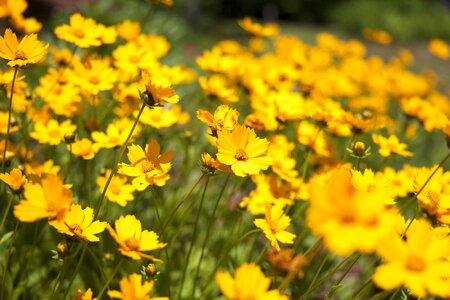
263	167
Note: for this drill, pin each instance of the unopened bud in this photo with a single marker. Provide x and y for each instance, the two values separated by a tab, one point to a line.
69	137
151	270
63	249
359	149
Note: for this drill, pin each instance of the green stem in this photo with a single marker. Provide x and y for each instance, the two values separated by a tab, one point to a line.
58	279
208	228
8	207
80	260
119	158
194	237
5	269
9	119
338	282
395	294
362	288
106	286
316	275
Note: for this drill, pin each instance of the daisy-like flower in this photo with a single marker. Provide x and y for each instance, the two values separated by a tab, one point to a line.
220	87
119	190
48	199
274	226
84	148
224	118
29	51
149	167
243	151
257	29
14	179
159	90
131	288
249	282
79	222
116	133
94	77
133	240
420	263
82	32
52	132
390	145
439	48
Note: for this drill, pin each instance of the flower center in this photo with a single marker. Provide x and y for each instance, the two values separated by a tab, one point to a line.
147	166
132	243
79	33
77	229
115	189
19	54
434	198
54	133
415	263
241	154
94	80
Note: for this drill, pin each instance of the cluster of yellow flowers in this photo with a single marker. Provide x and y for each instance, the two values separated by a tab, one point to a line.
65	136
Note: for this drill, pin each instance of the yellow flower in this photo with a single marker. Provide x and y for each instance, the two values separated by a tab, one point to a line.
119	190
162	117
220	87
249	282
243	151
419	263
274	226
48	199
29	51
224	118
210	165
313	137
131	58
80	296
133	240
374	183
439	48
79	222
128	29
116	133
377	36
94	77
52	132
158	90
149	167
82	32
12	8
131	288
347	219
390	145
84	148
257	29
14	179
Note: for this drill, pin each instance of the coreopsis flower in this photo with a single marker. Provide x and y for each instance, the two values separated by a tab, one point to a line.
224	118
132	58
373	183
132	288
211	165
377	36
12	8
84	148
128	29
14	179
348	219
47	199
94	77
26	25
274	226
29	51
439	48
149	167
159	90
82	32
116	133
163	117
313	137
434	197
390	145
132	239
256	29
79	222
80	296
219	87
419	263
52	132
243	151
119	190
280	150
9	151
249	282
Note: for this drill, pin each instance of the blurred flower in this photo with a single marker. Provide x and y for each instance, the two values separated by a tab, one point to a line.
274	226
256	29
390	145
119	191
80	296
51	132
149	167
14	179
219	87
83	148
129	30
439	48
93	77
48	199
116	133
133	240
377	36
224	118
419	263
243	151
29	51
82	32
159	90
131	288
79	222
249	282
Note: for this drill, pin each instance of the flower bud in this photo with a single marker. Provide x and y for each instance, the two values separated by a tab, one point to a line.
62	249
69	137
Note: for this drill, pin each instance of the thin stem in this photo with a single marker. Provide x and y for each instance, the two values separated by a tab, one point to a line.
395	294
362	288
9	118
119	158
8	207
316	275
106	286
194	236
75	273
58	279
332	291
208	228
5	269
